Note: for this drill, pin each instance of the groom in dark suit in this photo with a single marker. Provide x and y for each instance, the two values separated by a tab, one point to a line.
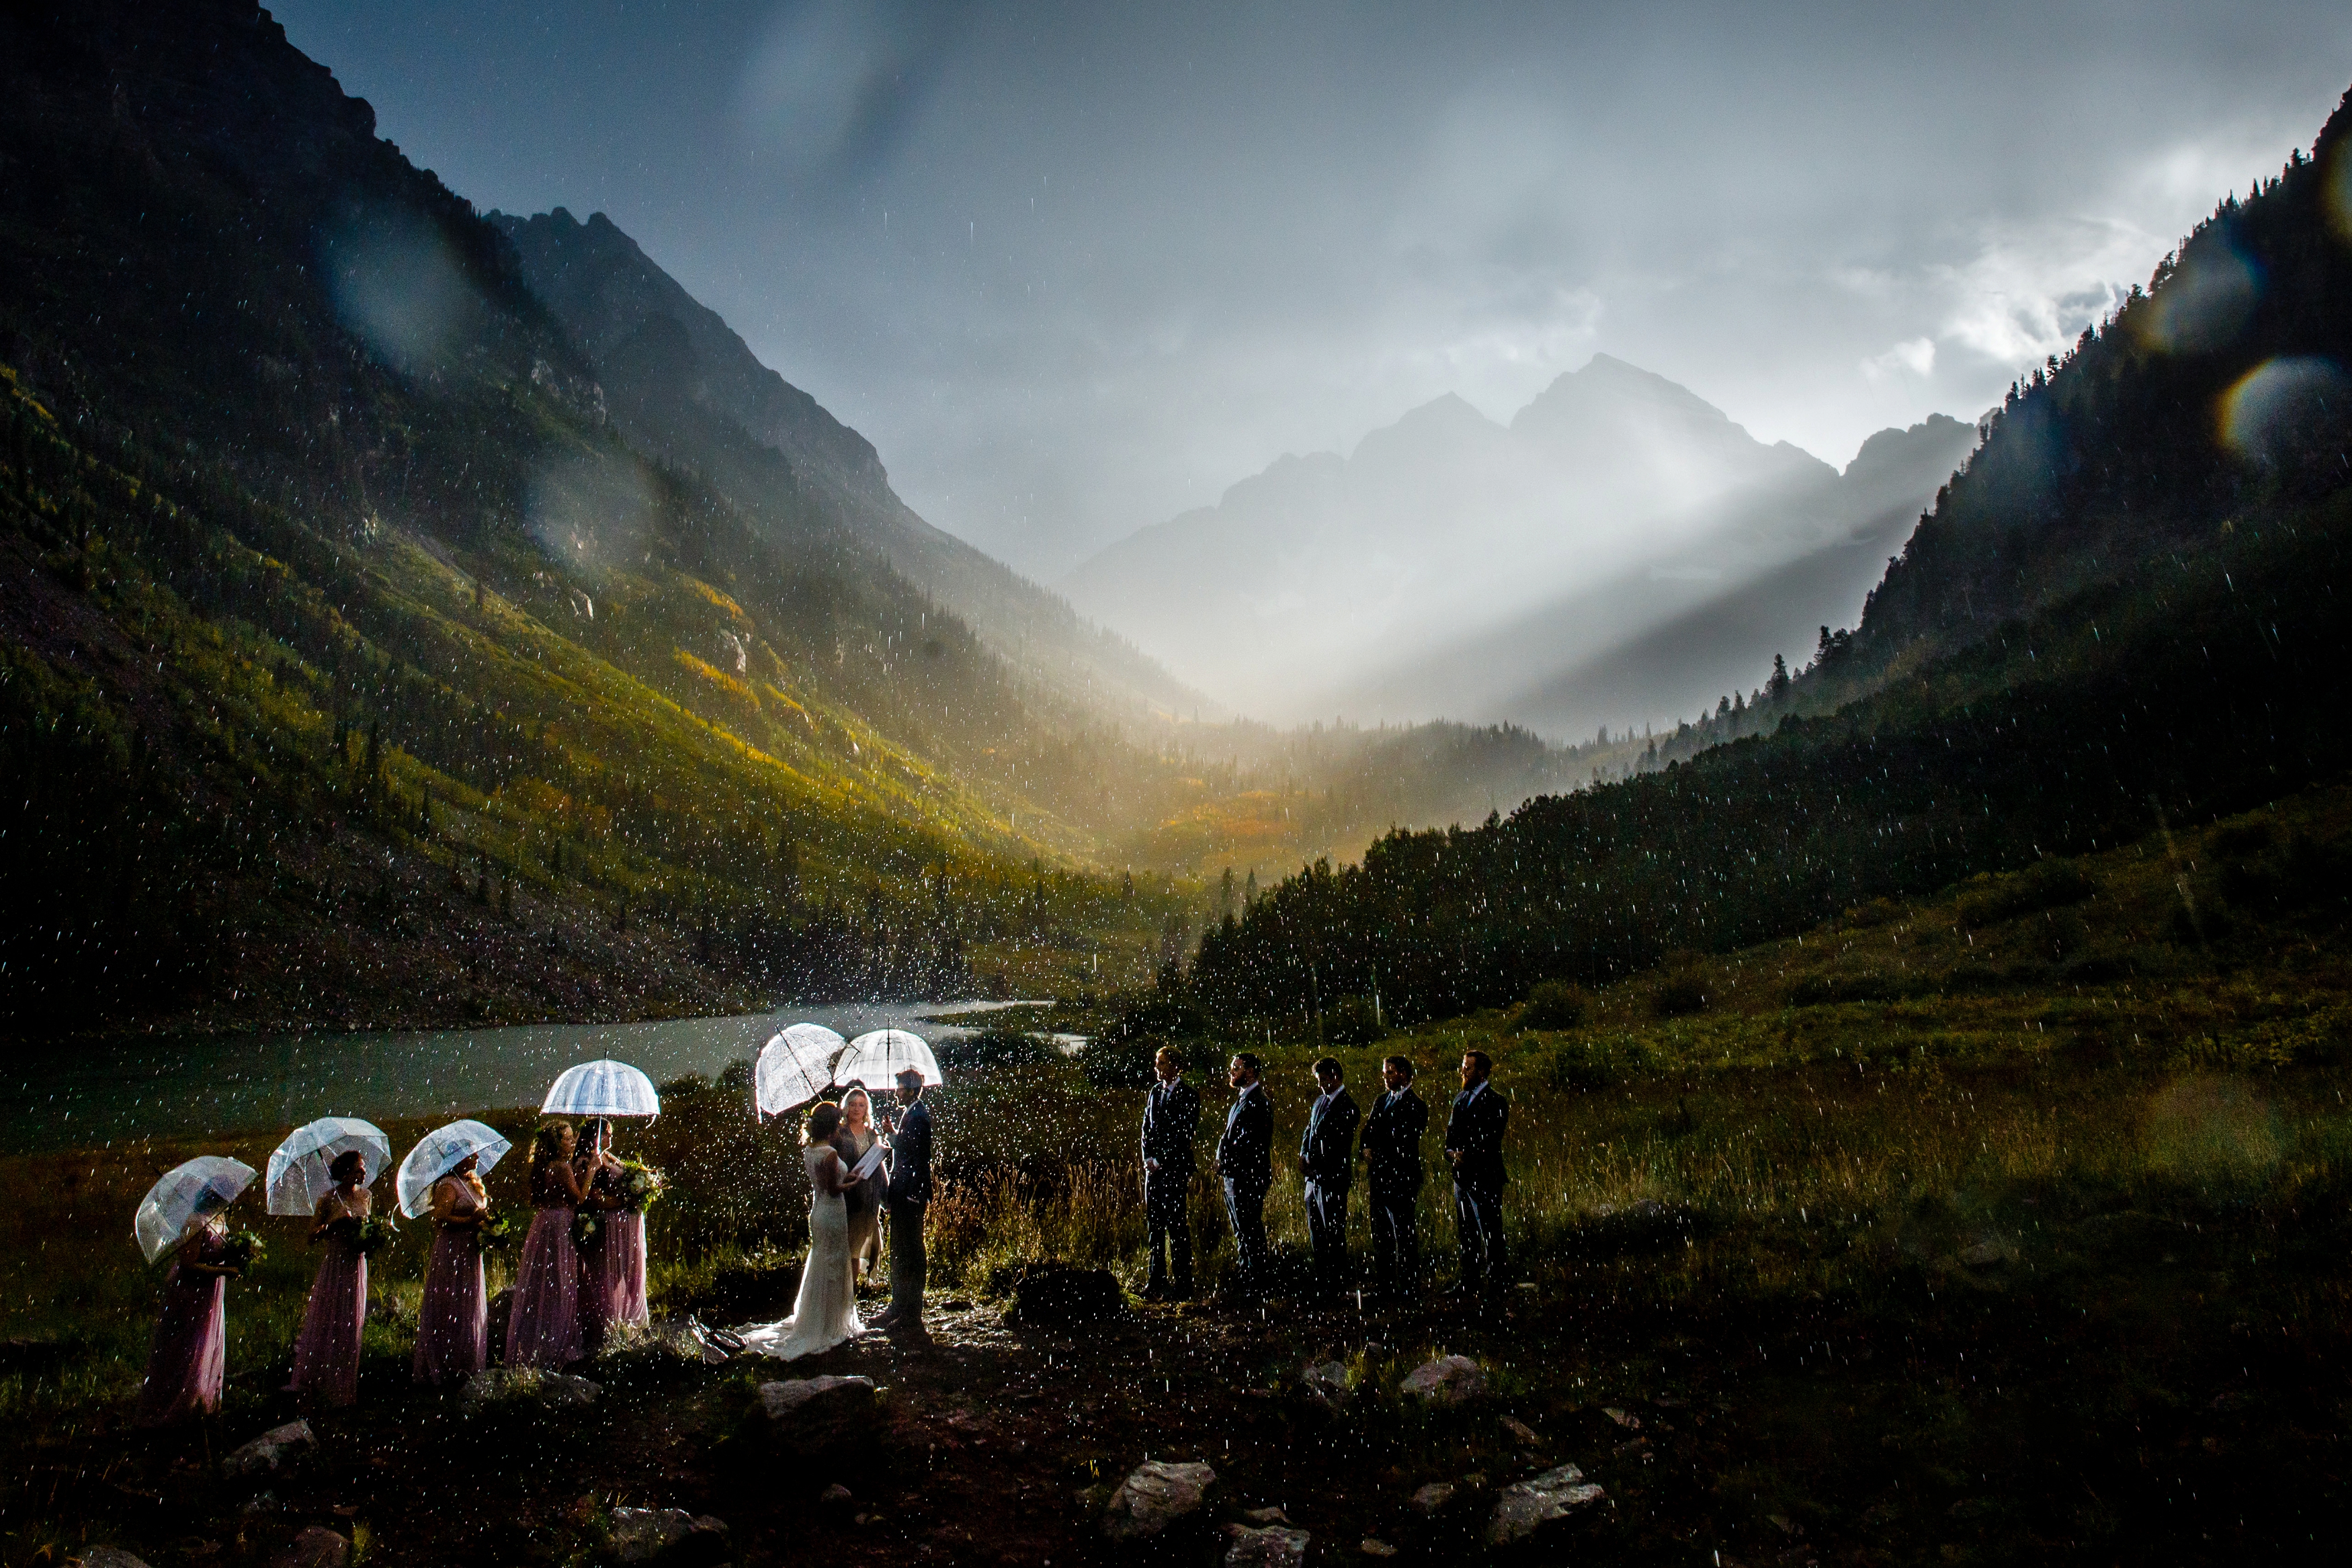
1246	1161
1327	1157
1171	1115
1474	1144
1392	1169
906	1197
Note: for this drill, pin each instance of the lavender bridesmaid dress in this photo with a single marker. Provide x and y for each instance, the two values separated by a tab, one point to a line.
453	1322
327	1351
543	1329
183	1371
614	1267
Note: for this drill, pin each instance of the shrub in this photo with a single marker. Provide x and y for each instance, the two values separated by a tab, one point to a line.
1678	996
1355	1021
2048	885
1590	1064
1870	986
1554	1004
997	1047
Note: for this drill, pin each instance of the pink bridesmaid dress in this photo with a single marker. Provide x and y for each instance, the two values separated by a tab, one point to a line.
183	1371
453	1322
543	1328
614	1265
327	1351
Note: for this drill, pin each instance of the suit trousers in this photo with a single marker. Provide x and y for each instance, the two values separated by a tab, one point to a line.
908	1265
1390	1210
1167	1229
1245	1205
1327	1228
1478	1219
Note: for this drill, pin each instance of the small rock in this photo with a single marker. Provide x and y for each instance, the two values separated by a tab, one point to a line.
1527	1507
1449	1380
1985	1255
1155	1495
1476	1481
278	1446
1273	1547
1433	1498
1265	1516
554	1390
109	1557
259	1503
642	1534
1055	1295
316	1547
1631	1422
836	1492
1372	1546
819	1416
1521	1431
1328	1383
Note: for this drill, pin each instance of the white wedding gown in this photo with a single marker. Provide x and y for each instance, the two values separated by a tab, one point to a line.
825	1314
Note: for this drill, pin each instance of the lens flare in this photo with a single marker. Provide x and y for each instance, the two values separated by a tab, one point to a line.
2205	304
2273	407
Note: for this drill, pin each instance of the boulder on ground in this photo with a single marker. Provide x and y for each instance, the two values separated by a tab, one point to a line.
1328	1383
315	1547
1055	1295
1522	1509
820	1416
1156	1494
1433	1498
1272	1547
108	1557
1448	1380
642	1534
526	1386
273	1450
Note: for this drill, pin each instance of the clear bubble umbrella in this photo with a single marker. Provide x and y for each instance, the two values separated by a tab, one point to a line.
207	1182
875	1059
794	1067
298	1167
602	1089
436	1154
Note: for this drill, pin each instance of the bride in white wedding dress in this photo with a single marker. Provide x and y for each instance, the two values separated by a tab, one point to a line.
825	1314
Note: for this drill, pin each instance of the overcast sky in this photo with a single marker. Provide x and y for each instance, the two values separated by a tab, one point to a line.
1075	268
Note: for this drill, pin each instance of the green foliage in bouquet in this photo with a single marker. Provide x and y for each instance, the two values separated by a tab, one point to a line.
587	1226
496	1230
372	1233
640	1185
243	1250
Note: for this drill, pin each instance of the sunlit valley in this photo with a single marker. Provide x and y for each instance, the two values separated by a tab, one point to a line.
1901	899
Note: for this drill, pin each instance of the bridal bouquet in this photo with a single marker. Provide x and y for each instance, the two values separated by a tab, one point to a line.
640	1185
587	1225
370	1235
495	1230
242	1250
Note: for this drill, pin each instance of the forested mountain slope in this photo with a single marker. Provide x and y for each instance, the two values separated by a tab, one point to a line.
682	385
355	661
2126	613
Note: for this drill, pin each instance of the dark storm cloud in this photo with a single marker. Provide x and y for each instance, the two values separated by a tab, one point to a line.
1074	268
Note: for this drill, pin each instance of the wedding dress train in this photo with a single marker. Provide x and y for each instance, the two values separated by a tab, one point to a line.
825	1314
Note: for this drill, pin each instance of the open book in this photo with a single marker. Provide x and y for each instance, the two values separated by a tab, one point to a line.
870	1164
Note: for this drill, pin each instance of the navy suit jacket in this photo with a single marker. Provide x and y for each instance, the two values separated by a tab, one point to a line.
1392	1141
1245	1152
1476	1128
1171	1115
910	1156
1326	1149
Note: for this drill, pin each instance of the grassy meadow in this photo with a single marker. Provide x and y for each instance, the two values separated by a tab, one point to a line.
2010	1224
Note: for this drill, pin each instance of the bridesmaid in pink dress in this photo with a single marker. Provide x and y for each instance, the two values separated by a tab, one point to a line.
543	1328
453	1325
604	1261
327	1351
183	1371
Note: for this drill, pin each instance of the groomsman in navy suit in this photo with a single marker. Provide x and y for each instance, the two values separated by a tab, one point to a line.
1171	1114
1392	1171
1327	1157
1246	1161
1473	1144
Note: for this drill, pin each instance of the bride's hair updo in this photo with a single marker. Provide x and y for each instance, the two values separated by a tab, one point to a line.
824	1121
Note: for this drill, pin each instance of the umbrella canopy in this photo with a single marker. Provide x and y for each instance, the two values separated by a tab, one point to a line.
298	1167
602	1089
208	1181
794	1067
875	1059
436	1154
